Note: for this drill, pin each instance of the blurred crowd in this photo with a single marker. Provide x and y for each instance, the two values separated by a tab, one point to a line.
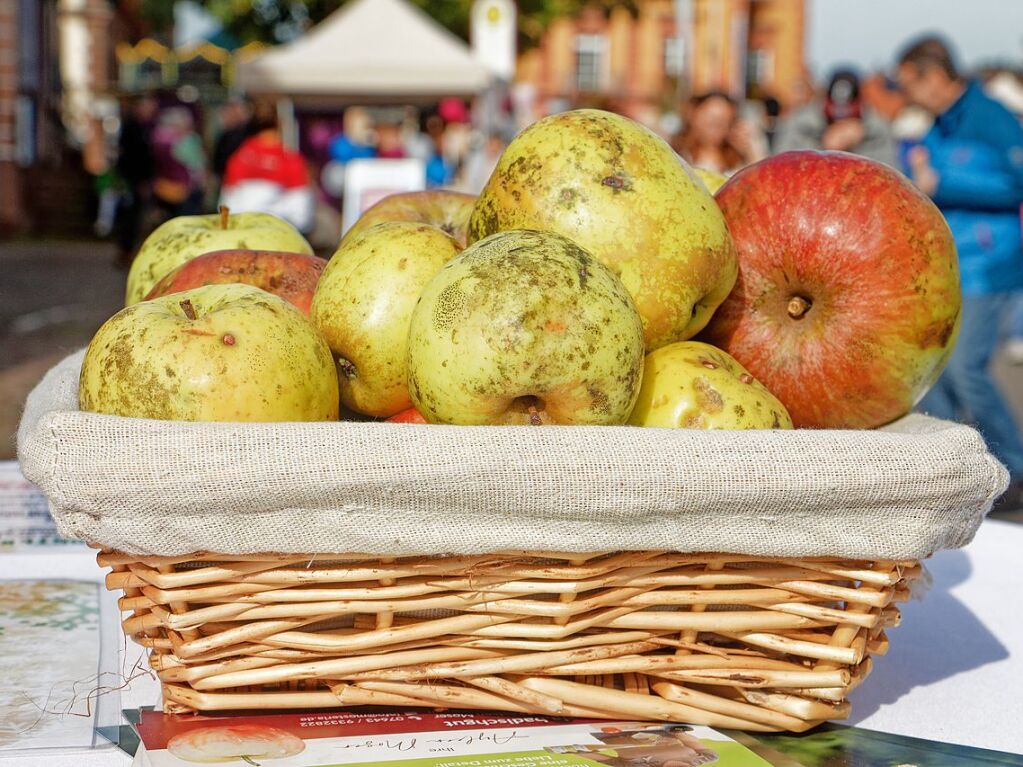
173	159
166	168
956	135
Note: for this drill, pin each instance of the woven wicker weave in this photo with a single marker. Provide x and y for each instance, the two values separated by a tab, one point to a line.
716	639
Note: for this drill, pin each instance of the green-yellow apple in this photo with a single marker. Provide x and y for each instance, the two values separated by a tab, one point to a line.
618	190
711	179
183	238
216	353
447	210
363	303
692	385
525	327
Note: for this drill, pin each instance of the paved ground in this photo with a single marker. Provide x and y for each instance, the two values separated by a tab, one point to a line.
53	297
55	294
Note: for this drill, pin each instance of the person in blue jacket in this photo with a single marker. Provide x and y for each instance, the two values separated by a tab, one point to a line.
971	164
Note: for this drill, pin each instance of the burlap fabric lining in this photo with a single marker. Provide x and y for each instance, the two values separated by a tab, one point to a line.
171	488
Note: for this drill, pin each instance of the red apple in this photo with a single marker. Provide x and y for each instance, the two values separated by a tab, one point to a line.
847	303
444	209
408	416
292	276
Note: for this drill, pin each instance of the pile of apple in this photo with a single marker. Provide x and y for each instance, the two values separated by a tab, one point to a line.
594	281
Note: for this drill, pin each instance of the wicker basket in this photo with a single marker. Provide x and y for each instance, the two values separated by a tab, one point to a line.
825	530
716	639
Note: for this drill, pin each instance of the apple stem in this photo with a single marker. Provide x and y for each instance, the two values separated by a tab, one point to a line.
798	306
534	416
188	309
224	213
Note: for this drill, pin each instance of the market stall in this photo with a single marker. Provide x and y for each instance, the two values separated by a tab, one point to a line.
369	51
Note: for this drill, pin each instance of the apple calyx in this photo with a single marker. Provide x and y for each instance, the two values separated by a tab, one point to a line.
798	307
188	309
225	213
348	368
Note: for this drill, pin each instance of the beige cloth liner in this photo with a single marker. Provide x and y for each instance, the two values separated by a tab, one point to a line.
171	488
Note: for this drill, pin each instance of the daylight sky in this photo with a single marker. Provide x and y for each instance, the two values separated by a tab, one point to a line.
869	32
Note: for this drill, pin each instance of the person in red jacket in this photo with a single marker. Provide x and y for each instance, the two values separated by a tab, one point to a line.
264	175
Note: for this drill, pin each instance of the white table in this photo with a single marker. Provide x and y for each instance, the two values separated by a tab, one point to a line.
953	672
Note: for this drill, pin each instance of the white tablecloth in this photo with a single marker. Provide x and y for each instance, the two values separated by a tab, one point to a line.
953	672
955	667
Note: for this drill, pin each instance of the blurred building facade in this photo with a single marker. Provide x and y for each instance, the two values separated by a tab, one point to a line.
56	69
29	97
642	62
10	199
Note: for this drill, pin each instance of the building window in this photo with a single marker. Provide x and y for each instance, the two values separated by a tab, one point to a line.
759	70
589	62
674	56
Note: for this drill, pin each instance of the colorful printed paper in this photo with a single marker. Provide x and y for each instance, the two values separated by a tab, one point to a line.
429	739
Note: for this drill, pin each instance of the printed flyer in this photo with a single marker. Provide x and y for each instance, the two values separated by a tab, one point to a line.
836	745
430	739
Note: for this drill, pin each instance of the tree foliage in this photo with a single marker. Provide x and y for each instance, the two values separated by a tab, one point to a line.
277	21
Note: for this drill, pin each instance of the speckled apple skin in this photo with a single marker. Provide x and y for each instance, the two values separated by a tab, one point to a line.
447	210
183	238
292	276
363	304
525	317
247	356
693	385
618	190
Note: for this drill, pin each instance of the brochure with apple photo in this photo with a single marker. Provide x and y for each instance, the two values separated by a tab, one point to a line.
836	745
429	739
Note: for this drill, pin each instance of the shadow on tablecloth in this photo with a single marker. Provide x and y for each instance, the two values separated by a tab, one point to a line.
939	637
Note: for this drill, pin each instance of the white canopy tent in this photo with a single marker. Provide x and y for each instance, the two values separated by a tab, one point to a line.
372	49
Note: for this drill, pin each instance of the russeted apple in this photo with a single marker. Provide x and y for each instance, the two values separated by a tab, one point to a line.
693	385
447	210
217	353
183	238
525	327
363	303
292	276
847	303
619	191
